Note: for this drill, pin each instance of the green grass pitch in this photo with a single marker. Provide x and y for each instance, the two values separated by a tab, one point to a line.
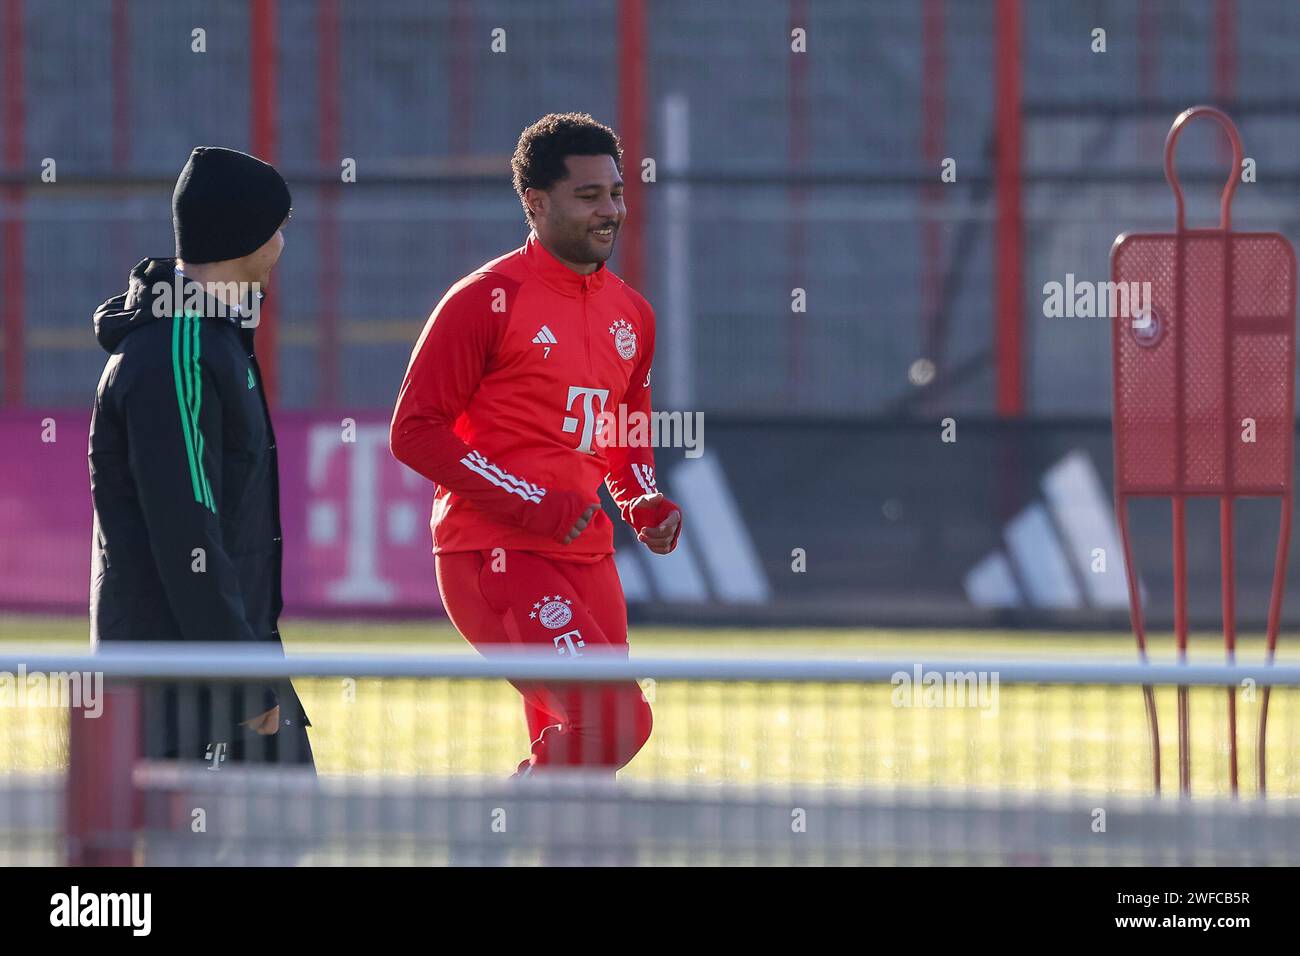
1051	739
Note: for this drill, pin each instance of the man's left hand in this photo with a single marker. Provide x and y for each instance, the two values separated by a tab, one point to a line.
660	537
265	724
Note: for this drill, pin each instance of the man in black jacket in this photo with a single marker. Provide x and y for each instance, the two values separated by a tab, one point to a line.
187	543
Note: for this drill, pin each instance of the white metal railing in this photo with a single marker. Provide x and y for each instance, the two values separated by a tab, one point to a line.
233	661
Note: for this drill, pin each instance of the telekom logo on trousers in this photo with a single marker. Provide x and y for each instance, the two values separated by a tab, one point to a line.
591	421
569	643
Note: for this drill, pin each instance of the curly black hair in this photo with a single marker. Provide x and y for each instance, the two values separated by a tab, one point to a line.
538	162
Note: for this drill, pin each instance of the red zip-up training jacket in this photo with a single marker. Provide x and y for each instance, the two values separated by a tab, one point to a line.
503	399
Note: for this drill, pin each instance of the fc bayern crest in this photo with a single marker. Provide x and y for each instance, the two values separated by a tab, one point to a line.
624	338
555	613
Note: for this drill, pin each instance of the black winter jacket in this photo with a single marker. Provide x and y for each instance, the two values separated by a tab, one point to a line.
187	543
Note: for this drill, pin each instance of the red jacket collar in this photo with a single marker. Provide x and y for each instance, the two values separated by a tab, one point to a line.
559	276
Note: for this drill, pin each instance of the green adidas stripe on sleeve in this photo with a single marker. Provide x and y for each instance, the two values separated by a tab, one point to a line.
196	404
189	388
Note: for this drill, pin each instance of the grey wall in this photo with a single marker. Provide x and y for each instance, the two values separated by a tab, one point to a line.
420	86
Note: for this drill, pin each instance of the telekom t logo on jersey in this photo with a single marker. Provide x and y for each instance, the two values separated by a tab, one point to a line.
591	414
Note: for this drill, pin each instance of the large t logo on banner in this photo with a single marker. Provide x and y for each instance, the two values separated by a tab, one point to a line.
1205	403
362	582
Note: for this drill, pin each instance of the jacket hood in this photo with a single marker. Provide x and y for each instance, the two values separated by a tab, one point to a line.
132	309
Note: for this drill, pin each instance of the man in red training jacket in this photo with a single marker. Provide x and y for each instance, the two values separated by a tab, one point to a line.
508	406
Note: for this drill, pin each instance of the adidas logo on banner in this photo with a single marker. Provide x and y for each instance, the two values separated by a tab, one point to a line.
545	337
1053	546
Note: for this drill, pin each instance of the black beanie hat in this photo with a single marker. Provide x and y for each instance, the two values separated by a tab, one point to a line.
226	205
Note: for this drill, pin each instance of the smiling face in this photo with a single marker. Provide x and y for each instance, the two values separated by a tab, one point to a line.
578	218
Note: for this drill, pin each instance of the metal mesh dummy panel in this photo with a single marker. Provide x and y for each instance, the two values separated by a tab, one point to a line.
1204	400
1204	352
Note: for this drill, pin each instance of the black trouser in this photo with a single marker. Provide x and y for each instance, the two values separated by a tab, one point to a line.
205	822
201	721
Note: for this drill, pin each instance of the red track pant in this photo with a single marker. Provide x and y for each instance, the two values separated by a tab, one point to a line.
521	598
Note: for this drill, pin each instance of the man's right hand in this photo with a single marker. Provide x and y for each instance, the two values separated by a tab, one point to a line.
561	515
581	523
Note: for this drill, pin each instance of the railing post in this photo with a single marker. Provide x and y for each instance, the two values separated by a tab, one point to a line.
103	808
